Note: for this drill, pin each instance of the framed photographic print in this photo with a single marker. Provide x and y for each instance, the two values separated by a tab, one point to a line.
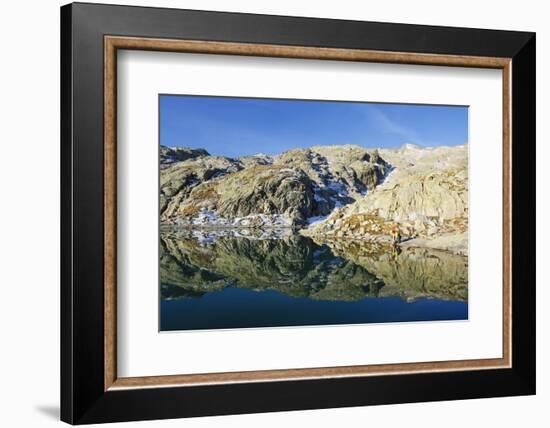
266	213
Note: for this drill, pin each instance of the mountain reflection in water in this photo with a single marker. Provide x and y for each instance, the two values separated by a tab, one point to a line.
225	279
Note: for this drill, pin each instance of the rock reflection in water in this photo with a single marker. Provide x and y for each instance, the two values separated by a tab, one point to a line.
193	263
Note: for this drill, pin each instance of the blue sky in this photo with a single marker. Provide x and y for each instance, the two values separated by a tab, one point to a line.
244	126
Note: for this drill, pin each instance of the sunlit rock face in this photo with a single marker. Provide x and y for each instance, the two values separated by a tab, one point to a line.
170	155
424	197
194	263
288	189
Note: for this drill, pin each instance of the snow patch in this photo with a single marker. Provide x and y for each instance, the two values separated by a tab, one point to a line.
317	219
207	218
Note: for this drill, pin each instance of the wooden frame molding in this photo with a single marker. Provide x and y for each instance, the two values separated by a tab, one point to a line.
113	43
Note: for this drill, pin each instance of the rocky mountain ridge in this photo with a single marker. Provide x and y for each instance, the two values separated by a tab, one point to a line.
328	192
170	155
287	190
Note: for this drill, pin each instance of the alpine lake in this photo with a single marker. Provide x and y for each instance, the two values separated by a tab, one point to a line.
241	278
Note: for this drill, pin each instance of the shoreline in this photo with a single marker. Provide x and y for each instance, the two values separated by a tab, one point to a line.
453	243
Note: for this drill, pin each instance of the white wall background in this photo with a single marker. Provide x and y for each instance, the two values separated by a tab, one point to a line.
29	213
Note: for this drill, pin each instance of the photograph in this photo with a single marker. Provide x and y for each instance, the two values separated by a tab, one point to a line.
291	212
264	212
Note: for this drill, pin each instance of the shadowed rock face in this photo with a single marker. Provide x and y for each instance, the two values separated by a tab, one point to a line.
297	266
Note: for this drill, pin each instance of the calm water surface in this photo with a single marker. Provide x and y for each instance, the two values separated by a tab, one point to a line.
227	280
